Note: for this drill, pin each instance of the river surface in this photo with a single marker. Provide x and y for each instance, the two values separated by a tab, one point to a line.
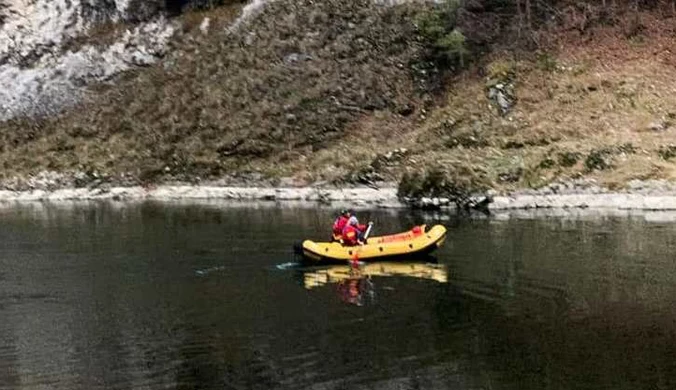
207	296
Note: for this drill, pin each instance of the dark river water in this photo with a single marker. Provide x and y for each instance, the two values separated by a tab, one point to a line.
206	296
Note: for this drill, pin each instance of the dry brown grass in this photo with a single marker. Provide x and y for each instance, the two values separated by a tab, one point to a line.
225	105
289	84
583	106
591	102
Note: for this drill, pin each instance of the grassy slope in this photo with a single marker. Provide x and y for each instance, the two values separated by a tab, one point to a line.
286	85
226	104
599	99
585	110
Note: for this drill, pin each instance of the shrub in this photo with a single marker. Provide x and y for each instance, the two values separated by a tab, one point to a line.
547	163
453	47
546	62
500	71
568	159
599	159
439	28
457	185
667	152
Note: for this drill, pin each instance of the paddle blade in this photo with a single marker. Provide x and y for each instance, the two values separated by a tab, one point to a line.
368	231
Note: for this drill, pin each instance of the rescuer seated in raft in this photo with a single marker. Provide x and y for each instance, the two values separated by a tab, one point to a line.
353	232
340	223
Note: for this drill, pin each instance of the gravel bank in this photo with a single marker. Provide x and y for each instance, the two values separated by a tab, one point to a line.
647	196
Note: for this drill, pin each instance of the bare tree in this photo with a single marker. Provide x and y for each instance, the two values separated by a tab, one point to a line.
519	16
528	14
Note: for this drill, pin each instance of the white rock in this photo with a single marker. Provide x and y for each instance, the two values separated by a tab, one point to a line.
250	10
38	78
204	26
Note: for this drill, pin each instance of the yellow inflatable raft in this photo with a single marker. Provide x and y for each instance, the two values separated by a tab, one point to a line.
417	241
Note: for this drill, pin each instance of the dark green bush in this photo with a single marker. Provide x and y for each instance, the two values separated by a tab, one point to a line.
568	159
667	152
455	184
439	28
599	160
547	163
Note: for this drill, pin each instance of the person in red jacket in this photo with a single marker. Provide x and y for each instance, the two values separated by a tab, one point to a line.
353	232
339	224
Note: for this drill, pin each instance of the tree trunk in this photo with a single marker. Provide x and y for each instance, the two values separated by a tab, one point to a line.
528	14
519	15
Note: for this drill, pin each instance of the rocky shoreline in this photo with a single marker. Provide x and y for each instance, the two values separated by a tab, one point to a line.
639	196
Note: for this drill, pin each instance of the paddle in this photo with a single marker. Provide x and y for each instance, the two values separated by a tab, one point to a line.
368	231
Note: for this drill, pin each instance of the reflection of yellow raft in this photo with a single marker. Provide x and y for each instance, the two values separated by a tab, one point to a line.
416	241
340	273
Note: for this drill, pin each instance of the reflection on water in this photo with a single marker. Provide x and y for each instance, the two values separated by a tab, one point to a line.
355	281
151	296
357	290
339	273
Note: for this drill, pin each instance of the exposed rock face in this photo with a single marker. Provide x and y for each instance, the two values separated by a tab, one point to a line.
284	79
138	10
40	71
250	10
32	29
55	81
39	77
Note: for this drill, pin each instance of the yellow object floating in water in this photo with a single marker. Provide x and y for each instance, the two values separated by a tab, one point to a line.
416	241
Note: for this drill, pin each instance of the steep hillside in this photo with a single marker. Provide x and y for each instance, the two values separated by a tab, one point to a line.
596	104
356	91
291	82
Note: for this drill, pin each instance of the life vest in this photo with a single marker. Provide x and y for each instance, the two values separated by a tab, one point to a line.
351	235
339	225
